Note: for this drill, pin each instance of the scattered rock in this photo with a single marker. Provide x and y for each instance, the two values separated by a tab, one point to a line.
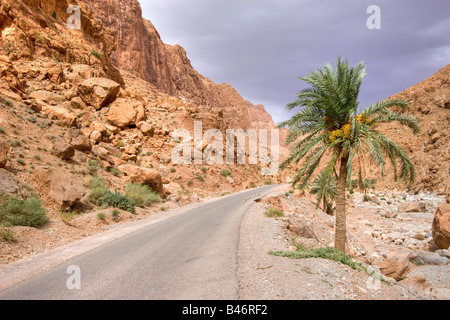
147	129
4	150
124	112
62	188
150	177
395	268
8	182
420	257
98	92
60	113
415	206
78	140
63	150
441	226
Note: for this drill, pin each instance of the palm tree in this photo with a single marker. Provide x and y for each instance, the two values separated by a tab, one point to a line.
329	126
324	186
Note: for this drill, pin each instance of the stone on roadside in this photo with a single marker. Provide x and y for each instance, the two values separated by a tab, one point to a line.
441	226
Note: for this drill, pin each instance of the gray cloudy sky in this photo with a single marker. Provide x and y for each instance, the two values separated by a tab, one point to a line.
261	47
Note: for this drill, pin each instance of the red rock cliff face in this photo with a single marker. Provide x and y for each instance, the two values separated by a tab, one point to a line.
141	51
38	28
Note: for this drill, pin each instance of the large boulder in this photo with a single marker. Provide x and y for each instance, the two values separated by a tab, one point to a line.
150	177
46	97
98	92
60	113
415	206
63	150
4	150
78	139
441	226
59	186
395	268
8	182
420	257
126	112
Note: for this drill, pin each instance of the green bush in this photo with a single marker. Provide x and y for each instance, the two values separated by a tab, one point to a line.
101	216
326	253
96	196
118	200
97	182
96	54
226	172
6	235
142	195
18	212
271	213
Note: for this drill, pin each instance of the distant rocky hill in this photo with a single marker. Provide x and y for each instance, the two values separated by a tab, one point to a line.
141	51
429	150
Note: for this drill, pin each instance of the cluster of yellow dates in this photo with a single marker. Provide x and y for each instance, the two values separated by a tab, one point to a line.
345	132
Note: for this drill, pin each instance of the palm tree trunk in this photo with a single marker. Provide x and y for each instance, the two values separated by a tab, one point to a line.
341	228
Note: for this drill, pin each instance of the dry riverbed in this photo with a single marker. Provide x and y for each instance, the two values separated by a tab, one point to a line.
265	276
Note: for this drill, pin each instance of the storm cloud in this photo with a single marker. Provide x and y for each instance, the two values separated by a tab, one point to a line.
261	47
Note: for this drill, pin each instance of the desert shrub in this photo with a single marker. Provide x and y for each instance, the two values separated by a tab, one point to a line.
190	182
142	195
97	182
6	234
173	170
116	215
101	216
96	196
268	182
204	169
201	178
94	166
18	212
325	252
118	200
96	54
272	213
115	171
225	172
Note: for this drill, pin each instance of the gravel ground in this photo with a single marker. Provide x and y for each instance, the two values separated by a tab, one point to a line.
267	277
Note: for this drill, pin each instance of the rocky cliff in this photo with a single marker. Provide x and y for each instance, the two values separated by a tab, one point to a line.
429	150
141	51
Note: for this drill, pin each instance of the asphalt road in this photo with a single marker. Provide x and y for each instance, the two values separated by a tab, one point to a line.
192	255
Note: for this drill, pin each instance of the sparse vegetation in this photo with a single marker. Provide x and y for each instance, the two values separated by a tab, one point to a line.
226	172
325	252
116	215
273	213
96	54
142	195
6	234
117	200
22	212
101	216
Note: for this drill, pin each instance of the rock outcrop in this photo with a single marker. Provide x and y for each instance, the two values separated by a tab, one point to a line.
430	149
59	187
4	150
98	92
141	51
441	226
